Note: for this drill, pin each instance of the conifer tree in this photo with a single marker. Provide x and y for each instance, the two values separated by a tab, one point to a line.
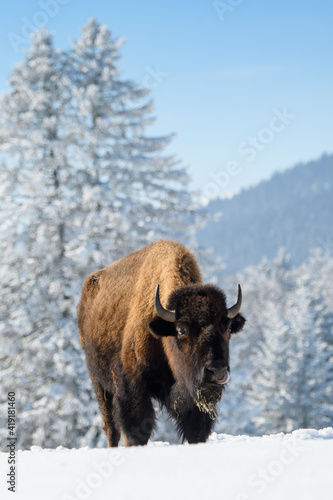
83	185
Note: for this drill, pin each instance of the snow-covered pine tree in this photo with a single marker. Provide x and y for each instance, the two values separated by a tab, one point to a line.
44	369
287	349
131	189
83	185
317	292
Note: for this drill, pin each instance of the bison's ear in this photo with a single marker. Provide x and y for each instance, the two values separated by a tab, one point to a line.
237	323
161	328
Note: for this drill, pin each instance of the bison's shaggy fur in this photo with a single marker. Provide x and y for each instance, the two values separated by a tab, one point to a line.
134	356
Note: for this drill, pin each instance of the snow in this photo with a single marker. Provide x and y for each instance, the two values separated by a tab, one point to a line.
282	466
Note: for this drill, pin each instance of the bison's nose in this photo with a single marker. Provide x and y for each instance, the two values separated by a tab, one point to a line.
217	374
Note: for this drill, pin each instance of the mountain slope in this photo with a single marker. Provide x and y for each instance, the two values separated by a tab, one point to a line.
292	210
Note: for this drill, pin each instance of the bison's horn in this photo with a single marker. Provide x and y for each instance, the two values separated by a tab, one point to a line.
161	312
234	310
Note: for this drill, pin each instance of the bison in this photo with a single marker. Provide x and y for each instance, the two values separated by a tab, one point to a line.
139	351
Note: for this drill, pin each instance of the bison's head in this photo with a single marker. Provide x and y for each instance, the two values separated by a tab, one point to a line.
196	328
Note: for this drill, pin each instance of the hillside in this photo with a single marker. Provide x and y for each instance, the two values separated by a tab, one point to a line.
289	466
292	210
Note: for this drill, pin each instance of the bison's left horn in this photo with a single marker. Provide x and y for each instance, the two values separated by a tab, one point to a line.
161	312
234	310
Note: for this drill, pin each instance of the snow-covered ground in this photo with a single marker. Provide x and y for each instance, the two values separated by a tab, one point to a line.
296	466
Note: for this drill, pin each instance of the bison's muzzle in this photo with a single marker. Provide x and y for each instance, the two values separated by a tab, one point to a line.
216	374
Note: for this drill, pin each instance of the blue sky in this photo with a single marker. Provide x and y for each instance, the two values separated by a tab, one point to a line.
246	85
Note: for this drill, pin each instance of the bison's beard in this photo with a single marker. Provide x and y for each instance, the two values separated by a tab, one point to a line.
206	399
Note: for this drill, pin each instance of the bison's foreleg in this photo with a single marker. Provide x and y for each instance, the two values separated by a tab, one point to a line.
137	418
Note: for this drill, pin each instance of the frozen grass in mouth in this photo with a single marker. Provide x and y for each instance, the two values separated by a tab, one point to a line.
206	400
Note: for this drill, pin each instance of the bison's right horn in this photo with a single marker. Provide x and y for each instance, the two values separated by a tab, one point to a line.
234	310
161	312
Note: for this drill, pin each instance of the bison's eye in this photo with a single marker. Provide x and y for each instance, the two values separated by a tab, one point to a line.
182	330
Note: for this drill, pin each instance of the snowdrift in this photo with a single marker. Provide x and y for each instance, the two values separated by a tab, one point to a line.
282	466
